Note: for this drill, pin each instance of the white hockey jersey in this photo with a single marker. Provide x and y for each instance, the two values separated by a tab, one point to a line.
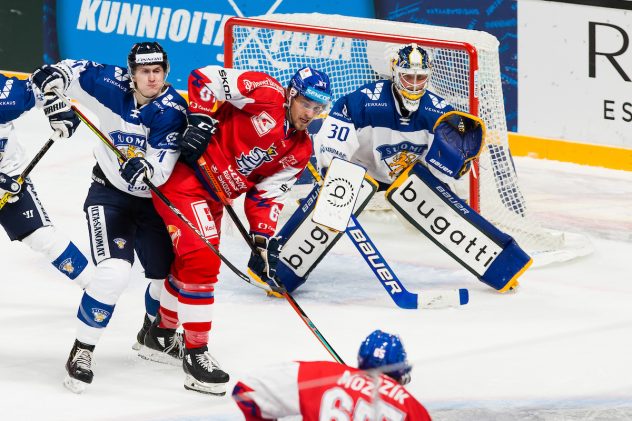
367	127
150	131
16	97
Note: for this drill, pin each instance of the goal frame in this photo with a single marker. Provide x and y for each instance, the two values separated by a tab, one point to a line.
469	49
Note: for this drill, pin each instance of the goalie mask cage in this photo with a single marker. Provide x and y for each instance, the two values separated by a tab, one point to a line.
355	51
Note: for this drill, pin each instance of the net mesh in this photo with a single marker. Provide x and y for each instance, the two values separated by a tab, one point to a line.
355	51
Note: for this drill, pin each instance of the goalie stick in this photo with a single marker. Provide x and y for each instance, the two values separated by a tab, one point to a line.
30	166
383	272
161	196
206	173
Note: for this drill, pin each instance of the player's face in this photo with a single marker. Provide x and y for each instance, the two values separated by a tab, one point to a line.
303	111
149	79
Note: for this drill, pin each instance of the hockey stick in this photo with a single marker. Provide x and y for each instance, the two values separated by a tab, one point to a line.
383	272
231	212
161	196
30	166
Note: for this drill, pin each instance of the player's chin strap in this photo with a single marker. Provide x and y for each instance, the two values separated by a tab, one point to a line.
159	194
383	272
20	180
206	173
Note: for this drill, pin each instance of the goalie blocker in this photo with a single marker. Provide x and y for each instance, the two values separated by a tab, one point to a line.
428	204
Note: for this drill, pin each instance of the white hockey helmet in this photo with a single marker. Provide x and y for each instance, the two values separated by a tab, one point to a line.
411	67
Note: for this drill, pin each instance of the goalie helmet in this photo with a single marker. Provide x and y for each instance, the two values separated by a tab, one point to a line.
383	350
312	84
145	53
410	69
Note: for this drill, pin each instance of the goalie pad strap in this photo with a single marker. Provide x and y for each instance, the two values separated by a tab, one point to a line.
429	205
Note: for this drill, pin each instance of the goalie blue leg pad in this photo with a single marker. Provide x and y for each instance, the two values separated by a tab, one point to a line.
428	204
305	243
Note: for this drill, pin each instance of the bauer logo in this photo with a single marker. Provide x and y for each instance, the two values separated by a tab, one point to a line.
444	224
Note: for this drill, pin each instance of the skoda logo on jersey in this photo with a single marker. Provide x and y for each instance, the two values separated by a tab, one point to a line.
120	138
257	156
375	94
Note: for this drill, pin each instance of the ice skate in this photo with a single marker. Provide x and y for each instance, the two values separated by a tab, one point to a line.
162	345
140	337
79	367
203	373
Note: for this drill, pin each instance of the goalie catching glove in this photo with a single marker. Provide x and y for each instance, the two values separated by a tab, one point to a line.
458	140
262	265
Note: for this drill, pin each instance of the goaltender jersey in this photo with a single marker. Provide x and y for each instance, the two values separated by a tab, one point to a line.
368	127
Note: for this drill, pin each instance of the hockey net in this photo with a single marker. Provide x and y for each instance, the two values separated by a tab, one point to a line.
354	51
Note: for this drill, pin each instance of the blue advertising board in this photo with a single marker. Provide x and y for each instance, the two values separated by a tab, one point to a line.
498	17
191	31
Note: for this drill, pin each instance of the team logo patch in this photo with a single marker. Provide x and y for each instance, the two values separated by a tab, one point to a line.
66	266
130	144
99	315
400	156
175	234
120	243
263	123
257	156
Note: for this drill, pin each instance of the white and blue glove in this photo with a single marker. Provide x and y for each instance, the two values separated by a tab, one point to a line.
61	117
135	170
50	77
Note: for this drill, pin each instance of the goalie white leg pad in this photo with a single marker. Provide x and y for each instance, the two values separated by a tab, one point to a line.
428	204
305	242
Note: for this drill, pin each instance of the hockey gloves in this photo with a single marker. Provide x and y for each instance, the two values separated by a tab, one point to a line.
458	140
135	170
9	185
49	77
196	137
262	265
61	117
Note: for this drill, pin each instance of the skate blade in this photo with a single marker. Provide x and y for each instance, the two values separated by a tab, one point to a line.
74	385
137	346
158	357
216	389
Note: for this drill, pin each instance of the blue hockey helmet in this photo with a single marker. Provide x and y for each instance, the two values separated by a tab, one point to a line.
381	349
411	68
312	84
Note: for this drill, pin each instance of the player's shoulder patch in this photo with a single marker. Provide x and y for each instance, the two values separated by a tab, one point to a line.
434	103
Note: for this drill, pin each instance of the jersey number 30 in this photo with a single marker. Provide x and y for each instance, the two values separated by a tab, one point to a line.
338	133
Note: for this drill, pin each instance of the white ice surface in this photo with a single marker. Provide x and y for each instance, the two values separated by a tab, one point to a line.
559	348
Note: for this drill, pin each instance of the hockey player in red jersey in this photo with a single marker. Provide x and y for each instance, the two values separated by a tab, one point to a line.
248	132
324	390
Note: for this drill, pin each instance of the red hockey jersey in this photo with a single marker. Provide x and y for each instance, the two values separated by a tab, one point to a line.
324	391
253	135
